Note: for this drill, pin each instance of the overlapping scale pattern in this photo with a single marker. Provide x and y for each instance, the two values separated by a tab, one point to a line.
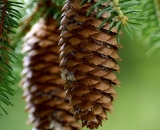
43	88
89	59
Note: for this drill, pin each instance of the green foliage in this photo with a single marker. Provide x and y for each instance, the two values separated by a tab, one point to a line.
8	15
123	14
151	27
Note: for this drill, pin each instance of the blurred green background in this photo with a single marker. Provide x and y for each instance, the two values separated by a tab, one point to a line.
138	103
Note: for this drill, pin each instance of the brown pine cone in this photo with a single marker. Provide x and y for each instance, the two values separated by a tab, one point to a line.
88	57
43	88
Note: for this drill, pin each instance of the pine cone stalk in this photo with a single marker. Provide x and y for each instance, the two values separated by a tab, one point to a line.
43	88
88	57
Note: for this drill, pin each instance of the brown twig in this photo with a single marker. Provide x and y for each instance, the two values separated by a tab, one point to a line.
3	17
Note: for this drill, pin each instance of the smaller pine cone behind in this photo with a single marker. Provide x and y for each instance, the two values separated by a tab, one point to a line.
43	88
88	58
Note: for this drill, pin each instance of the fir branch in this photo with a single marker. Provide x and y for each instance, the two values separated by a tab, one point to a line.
121	16
122	13
151	27
157	5
8	16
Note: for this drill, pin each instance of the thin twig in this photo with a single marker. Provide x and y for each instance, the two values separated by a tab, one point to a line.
4	6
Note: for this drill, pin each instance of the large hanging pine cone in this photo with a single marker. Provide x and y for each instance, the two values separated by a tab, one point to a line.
88	57
42	84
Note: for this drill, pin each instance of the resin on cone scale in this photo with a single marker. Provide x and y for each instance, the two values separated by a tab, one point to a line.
43	88
88	58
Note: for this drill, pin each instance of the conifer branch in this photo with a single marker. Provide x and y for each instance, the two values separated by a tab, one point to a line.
157	5
122	13
8	16
121	16
151	27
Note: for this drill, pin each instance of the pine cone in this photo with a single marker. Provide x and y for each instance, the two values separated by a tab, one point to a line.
88	57
43	88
